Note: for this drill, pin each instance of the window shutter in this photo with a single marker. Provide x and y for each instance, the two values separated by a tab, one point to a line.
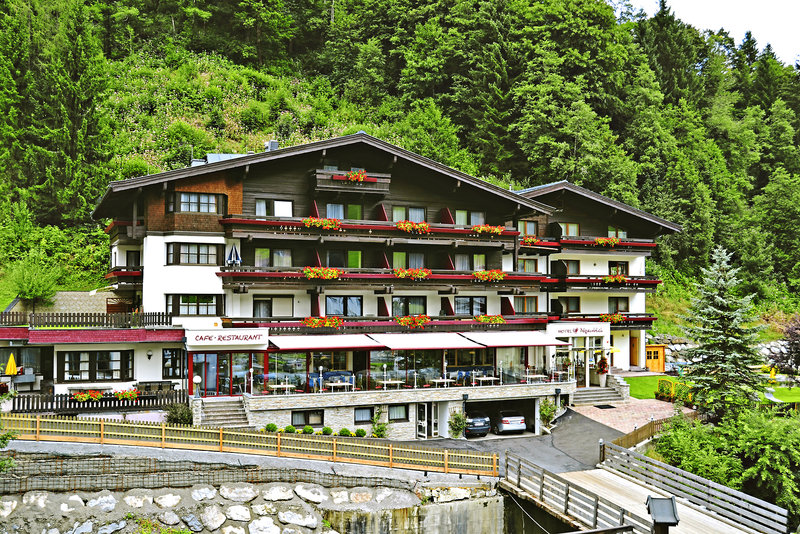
220	254
220	305
59	374
222	204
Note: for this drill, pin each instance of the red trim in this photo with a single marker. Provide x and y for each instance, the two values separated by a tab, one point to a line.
314	209
597	319
383	308
542	244
631	281
343	178
388	276
133	335
382	215
599	247
14	332
447	306
506	307
120	274
295	324
352	226
446	217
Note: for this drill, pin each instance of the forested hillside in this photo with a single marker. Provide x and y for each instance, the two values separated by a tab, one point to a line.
691	126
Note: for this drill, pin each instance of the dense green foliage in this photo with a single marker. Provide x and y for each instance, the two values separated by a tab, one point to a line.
688	125
722	373
756	452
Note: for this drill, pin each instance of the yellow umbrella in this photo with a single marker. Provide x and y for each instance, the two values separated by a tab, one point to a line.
11	366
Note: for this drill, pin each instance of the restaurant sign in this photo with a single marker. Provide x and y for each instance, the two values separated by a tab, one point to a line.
578	330
251	337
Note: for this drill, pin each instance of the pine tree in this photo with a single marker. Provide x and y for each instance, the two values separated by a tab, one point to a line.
721	373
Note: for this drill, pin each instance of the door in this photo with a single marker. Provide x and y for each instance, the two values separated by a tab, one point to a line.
240	373
634	347
434	427
422	421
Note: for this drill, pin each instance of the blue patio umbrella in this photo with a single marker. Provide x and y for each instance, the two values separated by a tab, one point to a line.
233	257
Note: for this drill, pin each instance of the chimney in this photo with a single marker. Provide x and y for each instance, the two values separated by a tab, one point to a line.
271	145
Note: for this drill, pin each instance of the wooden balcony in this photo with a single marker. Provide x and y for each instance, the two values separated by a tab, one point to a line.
365	325
598	243
336	181
126	277
234	277
85	320
125	231
594	282
628	320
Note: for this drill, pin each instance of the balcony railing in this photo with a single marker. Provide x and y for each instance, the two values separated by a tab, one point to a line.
126	274
85	320
627	319
637	283
373	276
370	324
596	242
377	183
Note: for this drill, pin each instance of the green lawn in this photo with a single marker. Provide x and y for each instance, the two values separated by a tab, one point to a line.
644	387
788	394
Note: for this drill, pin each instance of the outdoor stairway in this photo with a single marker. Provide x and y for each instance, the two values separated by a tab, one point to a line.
228	413
590	396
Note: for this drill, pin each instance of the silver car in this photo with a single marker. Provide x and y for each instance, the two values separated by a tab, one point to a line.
509	421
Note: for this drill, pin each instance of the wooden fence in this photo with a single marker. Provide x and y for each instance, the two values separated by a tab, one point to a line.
566	499
65	403
740	508
307	446
647	431
99	320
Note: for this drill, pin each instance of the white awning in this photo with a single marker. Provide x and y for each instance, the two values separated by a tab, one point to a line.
441	340
529	338
324	342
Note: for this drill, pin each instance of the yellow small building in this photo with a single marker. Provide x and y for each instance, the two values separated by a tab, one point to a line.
654	355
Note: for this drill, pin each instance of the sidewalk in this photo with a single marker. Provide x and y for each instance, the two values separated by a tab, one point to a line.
631	414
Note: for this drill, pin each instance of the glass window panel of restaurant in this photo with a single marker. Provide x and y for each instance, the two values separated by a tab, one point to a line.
329	361
395	366
512	361
426	363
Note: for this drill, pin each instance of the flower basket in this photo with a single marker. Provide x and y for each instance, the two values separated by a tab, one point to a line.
606	241
127	394
488	229
602	365
83	396
414	274
323	322
414	228
323	273
356	176
494	275
490	319
615	279
325	224
413	321
612	317
530	240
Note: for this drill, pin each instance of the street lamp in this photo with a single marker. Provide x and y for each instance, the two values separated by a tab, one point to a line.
196	381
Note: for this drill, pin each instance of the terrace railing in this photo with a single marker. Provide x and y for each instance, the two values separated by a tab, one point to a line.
65	403
84	320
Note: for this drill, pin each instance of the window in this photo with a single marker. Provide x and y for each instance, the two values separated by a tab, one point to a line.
262	209
618	267
410	260
473	218
527	265
282	257
617	304
462	217
262	257
344	258
615	231
344	211
347	306
526	305
403	213
133	258
283	208
569	229
277	306
398	412
573	266
408	306
527	228
479	262
78	366
208	305
195	202
470	305
308	417
469	262
262	307
570	304
173	363
194	254
278	208
363	415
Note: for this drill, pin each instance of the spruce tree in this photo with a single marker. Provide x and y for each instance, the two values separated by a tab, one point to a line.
723	371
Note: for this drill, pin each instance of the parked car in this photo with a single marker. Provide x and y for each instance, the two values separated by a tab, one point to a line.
509	421
478	424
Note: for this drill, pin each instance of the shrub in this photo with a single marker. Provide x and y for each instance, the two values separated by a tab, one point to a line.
361	433
379	429
308	429
289	429
457	423
179	414
272	427
255	116
547	410
345	432
327	431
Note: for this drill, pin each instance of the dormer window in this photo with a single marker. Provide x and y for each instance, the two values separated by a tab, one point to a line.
616	231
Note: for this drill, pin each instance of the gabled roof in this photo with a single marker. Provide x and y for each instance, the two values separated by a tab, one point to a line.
360	137
564	185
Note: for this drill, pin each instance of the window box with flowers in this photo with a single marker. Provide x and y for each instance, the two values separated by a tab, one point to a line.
612	317
488	229
495	275
490	319
323	322
414	274
323	273
606	241
615	279
325	224
84	396
413	321
358	176
529	241
414	227
127	394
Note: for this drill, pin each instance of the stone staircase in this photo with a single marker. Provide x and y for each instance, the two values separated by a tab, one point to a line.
590	396
227	413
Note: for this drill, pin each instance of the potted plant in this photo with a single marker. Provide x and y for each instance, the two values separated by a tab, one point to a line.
602	370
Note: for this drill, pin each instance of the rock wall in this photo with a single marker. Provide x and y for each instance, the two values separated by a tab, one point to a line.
675	346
